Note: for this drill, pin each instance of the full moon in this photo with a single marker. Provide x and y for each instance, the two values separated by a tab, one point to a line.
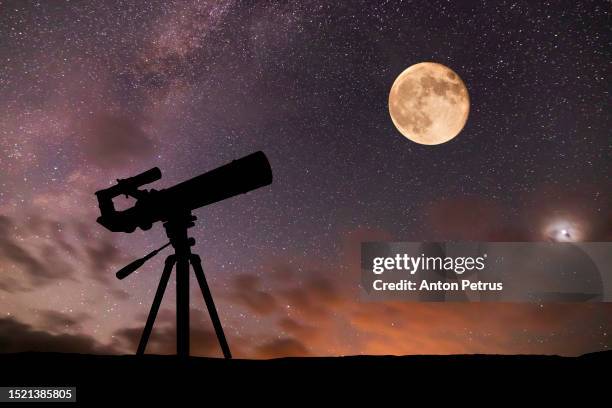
429	103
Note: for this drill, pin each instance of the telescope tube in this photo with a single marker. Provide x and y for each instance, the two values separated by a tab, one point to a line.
237	177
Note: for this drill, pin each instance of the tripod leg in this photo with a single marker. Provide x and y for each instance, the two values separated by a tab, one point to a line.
210	304
163	282
182	305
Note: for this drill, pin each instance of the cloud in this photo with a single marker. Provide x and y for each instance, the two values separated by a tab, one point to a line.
317	312
247	292
17	337
427	328
119	294
113	141
303	300
56	321
583	204
475	218
41	263
39	252
284	347
53	239
302	331
11	285
103	256
464	218
314	295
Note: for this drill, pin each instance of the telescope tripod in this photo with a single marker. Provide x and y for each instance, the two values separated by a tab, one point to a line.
176	230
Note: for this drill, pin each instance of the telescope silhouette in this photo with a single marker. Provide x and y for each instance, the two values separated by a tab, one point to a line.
173	207
238	177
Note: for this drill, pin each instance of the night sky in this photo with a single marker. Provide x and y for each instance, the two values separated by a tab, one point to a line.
91	91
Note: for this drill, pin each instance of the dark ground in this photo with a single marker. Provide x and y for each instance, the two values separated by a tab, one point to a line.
295	381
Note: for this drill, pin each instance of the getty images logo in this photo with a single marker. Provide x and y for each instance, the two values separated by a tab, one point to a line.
412	264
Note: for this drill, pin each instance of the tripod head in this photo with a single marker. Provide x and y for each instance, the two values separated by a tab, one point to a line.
179	241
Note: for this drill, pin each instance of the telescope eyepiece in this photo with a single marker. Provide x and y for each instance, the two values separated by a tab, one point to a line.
141	179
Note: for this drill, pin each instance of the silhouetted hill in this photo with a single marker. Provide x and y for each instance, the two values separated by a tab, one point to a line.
375	378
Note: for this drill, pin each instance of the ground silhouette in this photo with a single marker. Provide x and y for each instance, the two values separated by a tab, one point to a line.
112	379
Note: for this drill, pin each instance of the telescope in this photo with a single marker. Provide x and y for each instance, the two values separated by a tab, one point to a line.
238	177
173	207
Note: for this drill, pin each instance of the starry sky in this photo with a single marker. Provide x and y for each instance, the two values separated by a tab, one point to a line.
91	91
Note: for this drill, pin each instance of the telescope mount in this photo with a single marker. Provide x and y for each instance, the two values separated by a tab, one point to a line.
177	231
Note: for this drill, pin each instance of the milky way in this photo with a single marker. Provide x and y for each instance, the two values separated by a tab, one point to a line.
94	91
